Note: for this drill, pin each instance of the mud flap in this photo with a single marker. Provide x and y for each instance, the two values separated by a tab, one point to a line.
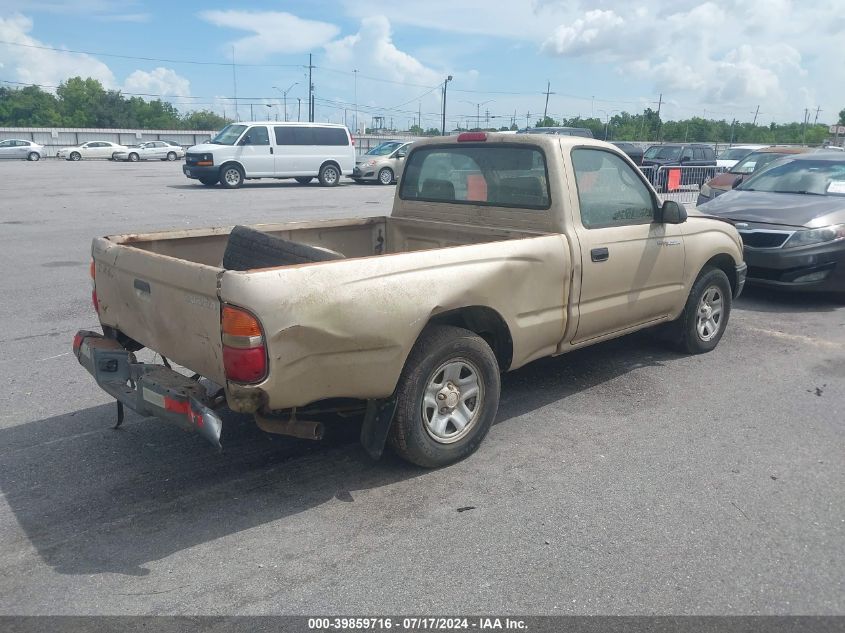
377	420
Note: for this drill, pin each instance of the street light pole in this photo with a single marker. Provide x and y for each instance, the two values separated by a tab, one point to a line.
285	96
477	111
443	120
355	118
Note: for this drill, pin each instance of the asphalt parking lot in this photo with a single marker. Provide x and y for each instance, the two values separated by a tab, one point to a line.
620	479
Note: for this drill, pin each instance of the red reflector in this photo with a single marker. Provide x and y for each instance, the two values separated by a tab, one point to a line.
95	301
77	341
244	365
177	406
470	137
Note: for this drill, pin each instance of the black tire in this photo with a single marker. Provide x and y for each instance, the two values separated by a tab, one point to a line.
113	156
385	176
329	175
304	180
686	328
231	176
133	157
171	156
33	156
248	249
74	156
409	435
208	181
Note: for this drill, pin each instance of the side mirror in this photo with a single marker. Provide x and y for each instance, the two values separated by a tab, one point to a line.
685	159
737	182
401	154
672	213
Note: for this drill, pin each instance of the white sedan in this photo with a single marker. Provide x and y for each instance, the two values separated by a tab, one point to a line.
151	150
91	149
20	149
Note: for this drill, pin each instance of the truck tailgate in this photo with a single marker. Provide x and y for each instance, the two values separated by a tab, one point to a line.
167	304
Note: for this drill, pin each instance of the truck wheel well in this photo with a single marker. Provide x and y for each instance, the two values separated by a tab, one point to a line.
232	162
330	162
726	264
485	322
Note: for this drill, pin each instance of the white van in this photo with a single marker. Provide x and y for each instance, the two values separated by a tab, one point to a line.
270	149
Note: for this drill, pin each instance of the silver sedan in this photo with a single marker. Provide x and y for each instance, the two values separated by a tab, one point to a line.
21	149
151	150
383	163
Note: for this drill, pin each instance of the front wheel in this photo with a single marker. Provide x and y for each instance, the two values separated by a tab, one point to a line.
447	397
33	156
231	176
329	175
75	156
171	156
385	176
304	180
705	317
133	157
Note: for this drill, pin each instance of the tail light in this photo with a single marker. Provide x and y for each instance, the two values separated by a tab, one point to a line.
244	351
471	137
93	272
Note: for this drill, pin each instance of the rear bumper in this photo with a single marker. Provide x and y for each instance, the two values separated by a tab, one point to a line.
151	390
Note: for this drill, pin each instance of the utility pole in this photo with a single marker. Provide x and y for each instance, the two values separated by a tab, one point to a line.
298	109
733	122
355	118
804	127
548	92
443	120
419	115
235	85
756	112
818	109
310	91
251	115
659	105
528	119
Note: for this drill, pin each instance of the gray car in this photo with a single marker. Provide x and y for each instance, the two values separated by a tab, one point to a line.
21	150
383	163
791	216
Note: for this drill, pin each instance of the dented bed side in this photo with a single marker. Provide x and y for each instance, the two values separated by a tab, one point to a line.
344	328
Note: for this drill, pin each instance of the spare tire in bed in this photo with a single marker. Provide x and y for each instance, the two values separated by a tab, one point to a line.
248	249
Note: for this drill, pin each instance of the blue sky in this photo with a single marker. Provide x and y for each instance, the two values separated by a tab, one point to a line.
719	59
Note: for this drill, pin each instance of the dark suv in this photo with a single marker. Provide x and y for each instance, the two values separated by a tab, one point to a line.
696	160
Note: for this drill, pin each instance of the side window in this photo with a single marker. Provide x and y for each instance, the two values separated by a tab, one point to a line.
709	153
698	153
686	154
257	136
294	135
330	136
6	144
609	191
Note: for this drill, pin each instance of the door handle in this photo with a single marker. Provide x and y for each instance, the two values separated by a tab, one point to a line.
600	254
271	149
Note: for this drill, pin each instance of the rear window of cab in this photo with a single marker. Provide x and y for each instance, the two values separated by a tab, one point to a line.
486	175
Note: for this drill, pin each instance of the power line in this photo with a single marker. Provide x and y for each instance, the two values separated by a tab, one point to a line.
146	59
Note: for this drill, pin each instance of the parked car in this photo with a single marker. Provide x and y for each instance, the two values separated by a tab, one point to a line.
728	157
271	149
721	183
21	149
559	131
634	152
91	149
151	150
409	318
696	160
791	216
383	163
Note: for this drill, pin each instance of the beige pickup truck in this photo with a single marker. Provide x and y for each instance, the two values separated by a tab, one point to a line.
500	249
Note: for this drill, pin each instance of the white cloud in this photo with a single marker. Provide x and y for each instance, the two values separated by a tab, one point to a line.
372	48
159	81
591	34
273	32
40	66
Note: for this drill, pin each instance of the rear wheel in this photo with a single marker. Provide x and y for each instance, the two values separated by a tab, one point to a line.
171	156
385	175
705	317
133	157
329	175
447	397
231	176
304	180
33	156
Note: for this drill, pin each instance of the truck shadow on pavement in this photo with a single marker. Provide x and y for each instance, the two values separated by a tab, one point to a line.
759	299
94	500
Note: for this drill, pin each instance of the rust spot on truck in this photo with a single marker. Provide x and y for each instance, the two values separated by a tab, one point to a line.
243	399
